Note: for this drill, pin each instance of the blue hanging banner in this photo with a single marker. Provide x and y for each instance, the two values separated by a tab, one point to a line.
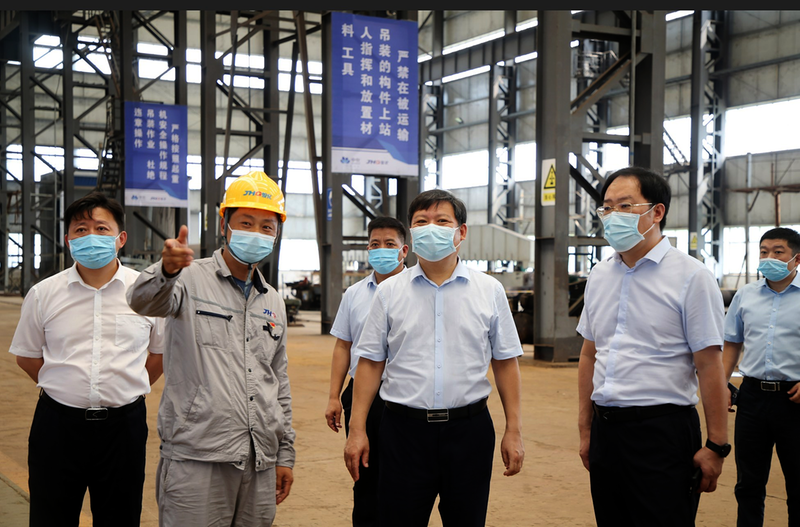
375	115
156	140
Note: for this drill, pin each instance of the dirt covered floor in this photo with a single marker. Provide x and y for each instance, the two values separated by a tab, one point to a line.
551	490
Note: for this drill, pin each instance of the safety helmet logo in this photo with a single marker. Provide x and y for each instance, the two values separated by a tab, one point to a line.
257	194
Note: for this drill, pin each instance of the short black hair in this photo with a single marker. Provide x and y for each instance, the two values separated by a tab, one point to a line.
791	236
84	206
388	222
654	187
429	198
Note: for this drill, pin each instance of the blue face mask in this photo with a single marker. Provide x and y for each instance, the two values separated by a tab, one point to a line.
433	242
621	230
250	247
773	269
94	251
384	261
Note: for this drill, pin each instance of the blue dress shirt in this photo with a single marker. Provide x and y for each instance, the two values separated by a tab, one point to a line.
438	341
646	321
769	325
352	313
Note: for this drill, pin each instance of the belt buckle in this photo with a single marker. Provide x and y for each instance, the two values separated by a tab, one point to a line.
770	386
438	416
96	414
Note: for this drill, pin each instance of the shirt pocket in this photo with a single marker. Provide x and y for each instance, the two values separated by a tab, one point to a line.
267	336
132	333
212	328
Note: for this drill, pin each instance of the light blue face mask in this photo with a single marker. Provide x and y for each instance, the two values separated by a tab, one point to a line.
773	269
384	261
250	247
433	242
621	230
94	251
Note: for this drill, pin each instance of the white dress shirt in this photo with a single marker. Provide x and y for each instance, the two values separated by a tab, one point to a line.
352	313
93	344
438	341
646	321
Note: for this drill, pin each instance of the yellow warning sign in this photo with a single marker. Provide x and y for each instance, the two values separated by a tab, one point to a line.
548	182
693	242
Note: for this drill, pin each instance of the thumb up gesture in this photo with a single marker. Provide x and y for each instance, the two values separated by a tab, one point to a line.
176	253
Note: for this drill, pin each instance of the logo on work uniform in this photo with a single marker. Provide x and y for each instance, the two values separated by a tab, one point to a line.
257	194
270	313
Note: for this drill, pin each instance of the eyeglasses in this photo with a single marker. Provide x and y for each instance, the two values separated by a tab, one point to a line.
622	207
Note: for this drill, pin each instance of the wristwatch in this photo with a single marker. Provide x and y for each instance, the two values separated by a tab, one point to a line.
722	450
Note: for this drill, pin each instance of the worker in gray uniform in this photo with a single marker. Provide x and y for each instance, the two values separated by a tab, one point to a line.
225	418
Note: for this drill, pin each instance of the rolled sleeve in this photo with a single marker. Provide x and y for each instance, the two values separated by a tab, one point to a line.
373	342
29	338
503	334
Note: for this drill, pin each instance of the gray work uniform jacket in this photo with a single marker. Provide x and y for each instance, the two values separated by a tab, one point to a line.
224	365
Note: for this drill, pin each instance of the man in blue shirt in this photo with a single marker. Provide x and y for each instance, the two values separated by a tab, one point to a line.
433	331
763	319
387	250
652	327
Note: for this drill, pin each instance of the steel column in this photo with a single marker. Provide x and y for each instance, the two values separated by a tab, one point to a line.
27	113
212	189
178	58
555	338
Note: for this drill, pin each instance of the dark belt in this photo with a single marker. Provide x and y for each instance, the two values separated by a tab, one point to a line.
617	414
437	415
90	414
768	386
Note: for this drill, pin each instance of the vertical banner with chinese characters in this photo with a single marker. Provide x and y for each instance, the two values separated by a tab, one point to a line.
375	113
155	155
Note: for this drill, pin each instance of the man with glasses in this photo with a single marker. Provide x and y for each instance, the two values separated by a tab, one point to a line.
762	319
652	326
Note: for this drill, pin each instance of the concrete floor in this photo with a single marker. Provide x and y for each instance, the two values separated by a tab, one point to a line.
551	490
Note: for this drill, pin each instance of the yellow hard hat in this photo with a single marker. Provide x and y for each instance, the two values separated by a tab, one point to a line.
254	190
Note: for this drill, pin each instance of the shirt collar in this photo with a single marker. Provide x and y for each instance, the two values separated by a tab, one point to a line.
223	270
74	276
461	271
795	282
656	254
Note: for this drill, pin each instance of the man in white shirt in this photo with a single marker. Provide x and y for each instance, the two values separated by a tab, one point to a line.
387	250
94	359
652	316
435	330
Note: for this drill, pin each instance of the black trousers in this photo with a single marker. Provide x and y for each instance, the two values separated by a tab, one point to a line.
68	454
765	420
640	470
365	490
420	460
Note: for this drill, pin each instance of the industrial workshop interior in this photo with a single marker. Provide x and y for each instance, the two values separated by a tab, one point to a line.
522	115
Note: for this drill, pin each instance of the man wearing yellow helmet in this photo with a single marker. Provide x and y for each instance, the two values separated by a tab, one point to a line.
225	418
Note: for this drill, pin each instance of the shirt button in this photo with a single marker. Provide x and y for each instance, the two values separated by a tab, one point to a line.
251	428
439	339
438	393
439	314
248	369
438	365
251	398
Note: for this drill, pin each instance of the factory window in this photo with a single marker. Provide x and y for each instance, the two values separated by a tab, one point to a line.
775	122
465	170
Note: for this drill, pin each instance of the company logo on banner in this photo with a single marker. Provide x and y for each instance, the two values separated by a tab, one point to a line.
155	155
375	92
